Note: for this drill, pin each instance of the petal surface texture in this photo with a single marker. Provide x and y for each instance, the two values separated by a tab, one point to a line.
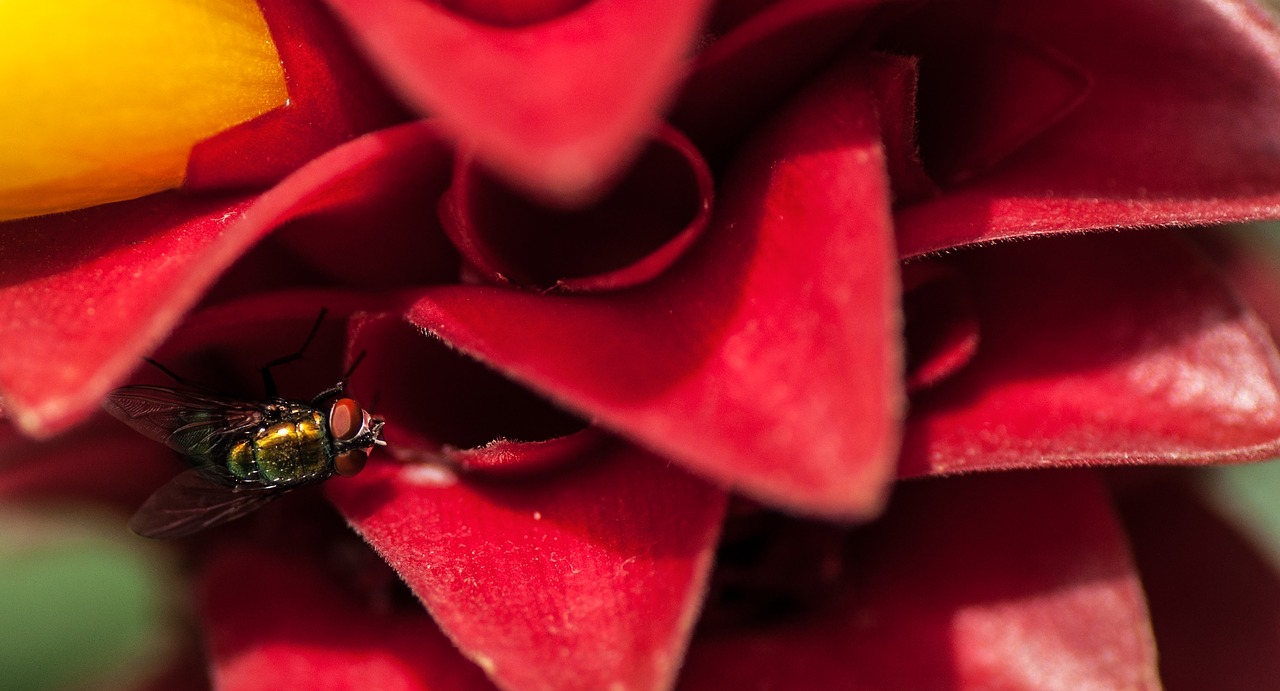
77	316
1012	581
302	619
1101	348
769	358
588	579
1174	118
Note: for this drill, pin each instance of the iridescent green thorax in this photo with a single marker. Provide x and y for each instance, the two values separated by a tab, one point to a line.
288	452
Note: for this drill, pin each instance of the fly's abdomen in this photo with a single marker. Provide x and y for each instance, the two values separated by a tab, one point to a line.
283	453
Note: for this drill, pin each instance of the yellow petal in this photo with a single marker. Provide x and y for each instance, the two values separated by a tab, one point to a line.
102	100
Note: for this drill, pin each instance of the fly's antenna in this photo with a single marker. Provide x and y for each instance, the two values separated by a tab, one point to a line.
352	369
269	382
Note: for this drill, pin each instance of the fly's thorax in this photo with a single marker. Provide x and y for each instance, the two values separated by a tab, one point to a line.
286	452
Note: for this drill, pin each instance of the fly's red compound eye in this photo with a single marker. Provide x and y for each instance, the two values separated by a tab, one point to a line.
349	463
346	419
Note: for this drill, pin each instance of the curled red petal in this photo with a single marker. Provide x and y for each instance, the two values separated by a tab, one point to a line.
1181	126
278	621
1115	348
585	580
333	97
638	230
941	322
1214	596
996	582
557	107
87	293
511	12
769	358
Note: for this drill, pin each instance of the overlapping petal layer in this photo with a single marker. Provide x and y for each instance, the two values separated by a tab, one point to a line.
1116	348
557	107
78	309
998	582
767	359
580	580
648	220
1179	122
332	97
274	620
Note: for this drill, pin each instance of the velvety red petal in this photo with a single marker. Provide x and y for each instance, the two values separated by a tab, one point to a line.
1181	123
586	579
333	97
758	54
557	107
998	582
1214	597
87	293
648	220
769	358
1113	348
278	621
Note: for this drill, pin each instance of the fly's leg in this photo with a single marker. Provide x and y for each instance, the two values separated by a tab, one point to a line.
269	382
170	373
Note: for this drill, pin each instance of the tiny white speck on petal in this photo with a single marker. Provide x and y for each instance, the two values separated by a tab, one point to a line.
428	475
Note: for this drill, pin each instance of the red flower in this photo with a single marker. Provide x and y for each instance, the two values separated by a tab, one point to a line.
686	241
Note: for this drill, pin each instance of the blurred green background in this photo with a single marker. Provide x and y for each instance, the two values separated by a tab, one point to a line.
83	603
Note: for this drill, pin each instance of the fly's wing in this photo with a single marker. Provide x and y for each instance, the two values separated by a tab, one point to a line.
199	498
194	424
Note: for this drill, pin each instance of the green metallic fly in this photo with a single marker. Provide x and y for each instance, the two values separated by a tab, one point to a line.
242	453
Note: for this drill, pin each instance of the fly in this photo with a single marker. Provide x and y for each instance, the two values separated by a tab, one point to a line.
242	453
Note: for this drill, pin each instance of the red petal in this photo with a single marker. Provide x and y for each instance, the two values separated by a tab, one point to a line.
769	358
998	582
277	622
1182	126
635	233
436	401
986	92
1215	599
333	97
556	107
103	461
1116	348
589	579
512	12
759	60
87	293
